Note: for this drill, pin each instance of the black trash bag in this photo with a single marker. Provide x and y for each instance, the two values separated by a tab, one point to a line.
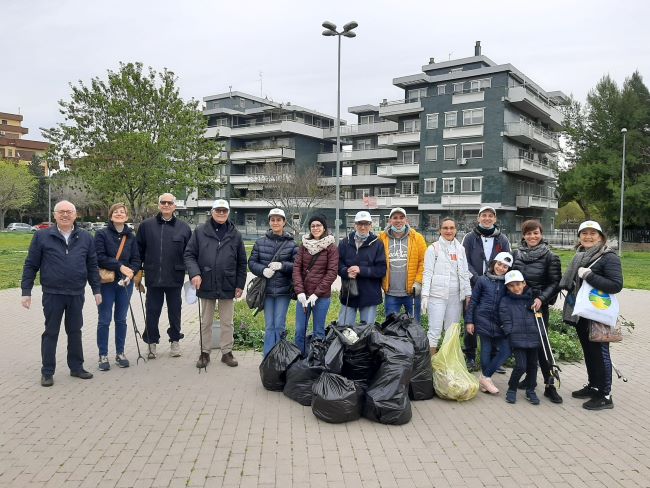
359	363
273	369
387	399
334	354
421	385
302	374
336	399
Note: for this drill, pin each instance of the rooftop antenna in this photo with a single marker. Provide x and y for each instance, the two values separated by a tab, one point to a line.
450	55
230	90
261	84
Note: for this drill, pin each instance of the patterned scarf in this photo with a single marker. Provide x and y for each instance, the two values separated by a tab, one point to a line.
530	254
314	246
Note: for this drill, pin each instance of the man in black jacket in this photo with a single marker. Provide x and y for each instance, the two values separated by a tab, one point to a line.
65	256
215	259
161	241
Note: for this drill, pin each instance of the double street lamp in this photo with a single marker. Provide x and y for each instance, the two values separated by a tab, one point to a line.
330	30
620	220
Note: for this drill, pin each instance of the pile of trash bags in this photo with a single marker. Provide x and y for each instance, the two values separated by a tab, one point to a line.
451	379
369	370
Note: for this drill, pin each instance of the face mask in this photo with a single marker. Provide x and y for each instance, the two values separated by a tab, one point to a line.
395	229
361	236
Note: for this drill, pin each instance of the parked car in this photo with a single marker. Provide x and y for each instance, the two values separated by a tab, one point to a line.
42	225
85	225
19	227
98	225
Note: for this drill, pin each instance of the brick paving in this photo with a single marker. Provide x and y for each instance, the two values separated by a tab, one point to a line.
162	424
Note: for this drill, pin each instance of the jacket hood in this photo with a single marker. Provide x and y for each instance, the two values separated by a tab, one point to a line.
160	220
285	237
371	238
208	229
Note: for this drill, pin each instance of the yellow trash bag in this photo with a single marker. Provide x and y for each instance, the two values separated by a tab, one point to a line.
451	379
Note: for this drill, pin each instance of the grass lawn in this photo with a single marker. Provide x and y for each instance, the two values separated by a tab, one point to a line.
13	251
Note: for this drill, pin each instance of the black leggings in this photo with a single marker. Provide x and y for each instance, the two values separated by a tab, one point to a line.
597	359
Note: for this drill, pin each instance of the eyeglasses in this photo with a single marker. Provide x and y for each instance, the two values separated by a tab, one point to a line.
363	224
220	210
65	212
167	202
316	226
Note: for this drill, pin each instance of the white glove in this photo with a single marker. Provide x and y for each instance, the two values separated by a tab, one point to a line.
417	289
268	272
312	300
583	272
275	265
302	299
424	302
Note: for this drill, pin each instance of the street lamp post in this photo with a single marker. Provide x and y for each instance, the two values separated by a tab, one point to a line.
620	220
330	30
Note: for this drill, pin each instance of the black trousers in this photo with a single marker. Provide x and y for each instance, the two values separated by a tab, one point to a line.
154	303
525	362
597	359
54	307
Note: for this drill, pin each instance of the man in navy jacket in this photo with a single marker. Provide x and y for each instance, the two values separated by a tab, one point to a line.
65	256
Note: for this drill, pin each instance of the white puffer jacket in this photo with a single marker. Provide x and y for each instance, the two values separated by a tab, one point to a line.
437	270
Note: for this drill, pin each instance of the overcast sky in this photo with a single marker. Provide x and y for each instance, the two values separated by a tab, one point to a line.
211	45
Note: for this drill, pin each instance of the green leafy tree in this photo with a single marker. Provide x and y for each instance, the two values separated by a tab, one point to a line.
17	188
131	137
38	207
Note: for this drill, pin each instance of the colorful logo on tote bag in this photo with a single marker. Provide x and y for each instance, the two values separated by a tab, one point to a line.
600	299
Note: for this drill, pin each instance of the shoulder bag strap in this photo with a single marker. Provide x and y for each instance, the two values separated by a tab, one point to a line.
119	251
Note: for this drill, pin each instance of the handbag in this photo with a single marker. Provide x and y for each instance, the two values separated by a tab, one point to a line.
599	332
596	305
107	275
256	289
349	287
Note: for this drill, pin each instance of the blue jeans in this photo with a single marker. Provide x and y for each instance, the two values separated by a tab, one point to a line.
113	294
275	320
393	304
302	318
348	315
490	364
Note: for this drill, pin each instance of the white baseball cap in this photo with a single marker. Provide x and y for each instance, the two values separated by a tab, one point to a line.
397	210
486	208
505	258
277	211
590	224
362	216
220	204
514	276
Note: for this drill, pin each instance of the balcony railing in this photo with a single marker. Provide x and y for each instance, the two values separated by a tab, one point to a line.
361	129
358	155
395	108
530	102
536	136
527	201
530	167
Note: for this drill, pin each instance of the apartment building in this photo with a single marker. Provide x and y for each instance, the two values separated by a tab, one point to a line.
12	145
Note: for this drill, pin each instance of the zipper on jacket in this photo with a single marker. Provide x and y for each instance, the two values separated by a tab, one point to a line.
162	231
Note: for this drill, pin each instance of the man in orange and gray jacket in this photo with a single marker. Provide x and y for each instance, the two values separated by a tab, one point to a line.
405	249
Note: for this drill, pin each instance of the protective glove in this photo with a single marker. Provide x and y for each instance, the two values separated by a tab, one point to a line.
268	272
312	299
417	289
424	302
275	265
583	272
302	299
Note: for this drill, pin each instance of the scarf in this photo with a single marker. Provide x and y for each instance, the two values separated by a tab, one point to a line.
491	232
314	246
493	276
530	254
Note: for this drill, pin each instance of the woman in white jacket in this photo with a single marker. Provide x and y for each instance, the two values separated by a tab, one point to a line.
445	283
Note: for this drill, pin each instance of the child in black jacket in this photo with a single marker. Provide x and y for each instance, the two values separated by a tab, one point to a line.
519	325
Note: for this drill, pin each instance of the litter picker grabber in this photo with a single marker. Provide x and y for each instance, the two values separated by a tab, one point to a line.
136	332
546	346
205	367
618	373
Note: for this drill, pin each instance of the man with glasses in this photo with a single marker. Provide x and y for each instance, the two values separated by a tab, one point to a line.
216	263
362	262
161	241
65	256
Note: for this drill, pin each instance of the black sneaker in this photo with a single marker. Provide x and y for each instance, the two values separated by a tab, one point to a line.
511	396
471	365
585	392
203	361
82	373
523	384
47	380
599	403
532	397
551	393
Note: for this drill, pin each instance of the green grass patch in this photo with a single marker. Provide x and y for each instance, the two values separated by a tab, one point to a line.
13	251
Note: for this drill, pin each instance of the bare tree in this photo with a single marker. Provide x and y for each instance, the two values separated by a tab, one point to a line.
298	193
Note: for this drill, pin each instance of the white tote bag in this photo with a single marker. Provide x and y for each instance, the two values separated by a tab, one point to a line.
596	305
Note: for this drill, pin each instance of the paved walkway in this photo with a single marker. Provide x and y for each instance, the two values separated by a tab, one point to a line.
163	424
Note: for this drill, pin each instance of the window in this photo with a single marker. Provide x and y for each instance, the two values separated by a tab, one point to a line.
430	185
359	193
459	87
363	170
431	153
480	85
411	156
415	94
441	89
363	144
383	192
413	220
471	185
222	122
473	116
411	125
410	187
448	185
432	121
451	119
450	152
348	195
366	119
473	151
434	221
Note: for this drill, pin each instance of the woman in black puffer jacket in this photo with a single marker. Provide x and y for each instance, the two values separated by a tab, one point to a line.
597	264
542	271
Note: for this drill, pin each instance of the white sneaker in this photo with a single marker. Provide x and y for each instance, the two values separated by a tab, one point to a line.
175	350
152	351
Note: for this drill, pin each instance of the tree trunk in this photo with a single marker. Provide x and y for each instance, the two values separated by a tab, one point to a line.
2	219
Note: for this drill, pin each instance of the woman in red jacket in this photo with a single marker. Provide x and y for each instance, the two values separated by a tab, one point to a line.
314	271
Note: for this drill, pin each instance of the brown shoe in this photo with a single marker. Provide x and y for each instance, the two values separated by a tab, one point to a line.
203	361
229	359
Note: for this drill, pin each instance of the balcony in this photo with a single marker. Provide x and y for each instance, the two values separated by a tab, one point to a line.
371	203
272	153
530	103
527	201
466	131
461	200
270	128
248	203
358	155
361	129
397	108
540	139
358	180
530	168
399	139
398	170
